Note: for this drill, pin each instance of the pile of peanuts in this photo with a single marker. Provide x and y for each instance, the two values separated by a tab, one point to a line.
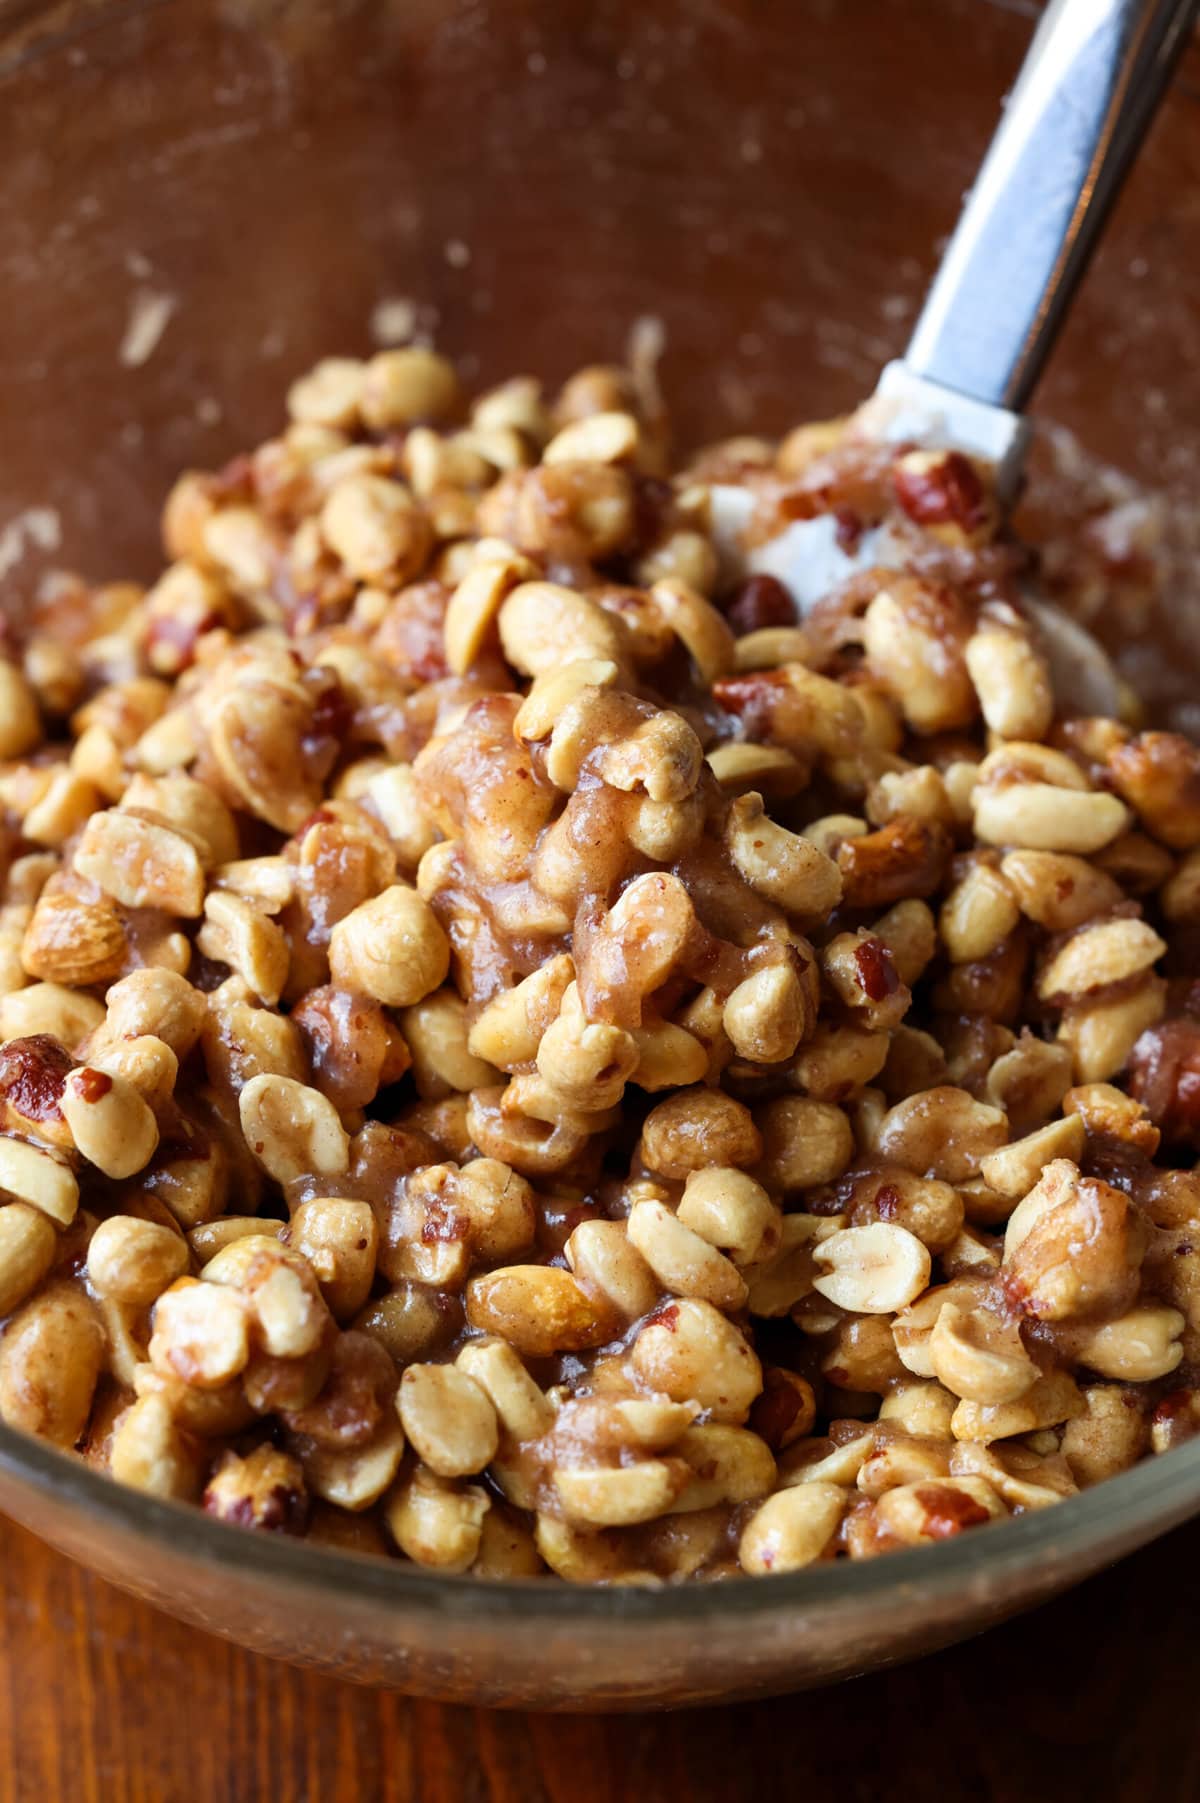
518	1055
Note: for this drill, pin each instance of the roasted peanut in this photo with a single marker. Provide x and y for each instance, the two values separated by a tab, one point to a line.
778	864
50	1359
1137	1347
292	1129
942	1133
622	1495
792	1528
448	1418
152	1453
134	1261
28	1244
1037	816
434	1523
914	638
1099	955
1011	680
871	1270
543	625
697	1128
536	1308
31	1174
392	947
684	1262
340	1240
1054	1398
520	1406
979	1355
111	1125
692	1353
731	1211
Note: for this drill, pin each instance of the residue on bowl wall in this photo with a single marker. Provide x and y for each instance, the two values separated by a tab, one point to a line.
150	310
37	529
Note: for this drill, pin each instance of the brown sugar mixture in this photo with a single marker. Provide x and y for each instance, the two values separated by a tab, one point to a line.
517	1055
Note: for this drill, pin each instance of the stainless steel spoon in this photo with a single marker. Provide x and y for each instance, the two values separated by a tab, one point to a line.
1088	89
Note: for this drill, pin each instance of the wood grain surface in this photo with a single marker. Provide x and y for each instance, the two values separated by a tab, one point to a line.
102	1700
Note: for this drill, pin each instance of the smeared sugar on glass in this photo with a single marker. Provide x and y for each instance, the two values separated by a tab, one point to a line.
150	311
1125	560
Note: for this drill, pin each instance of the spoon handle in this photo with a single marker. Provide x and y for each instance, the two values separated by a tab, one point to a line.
1087	91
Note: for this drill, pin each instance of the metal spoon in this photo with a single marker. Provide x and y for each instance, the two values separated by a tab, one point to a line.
1088	89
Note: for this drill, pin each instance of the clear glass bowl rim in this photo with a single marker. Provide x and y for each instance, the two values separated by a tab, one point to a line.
1125	1510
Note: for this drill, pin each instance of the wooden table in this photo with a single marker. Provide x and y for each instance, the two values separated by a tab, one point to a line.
102	1700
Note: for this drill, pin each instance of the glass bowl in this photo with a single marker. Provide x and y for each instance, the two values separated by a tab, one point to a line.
542	1644
203	196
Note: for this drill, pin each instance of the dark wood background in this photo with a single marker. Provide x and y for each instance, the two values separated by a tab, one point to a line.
102	1700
